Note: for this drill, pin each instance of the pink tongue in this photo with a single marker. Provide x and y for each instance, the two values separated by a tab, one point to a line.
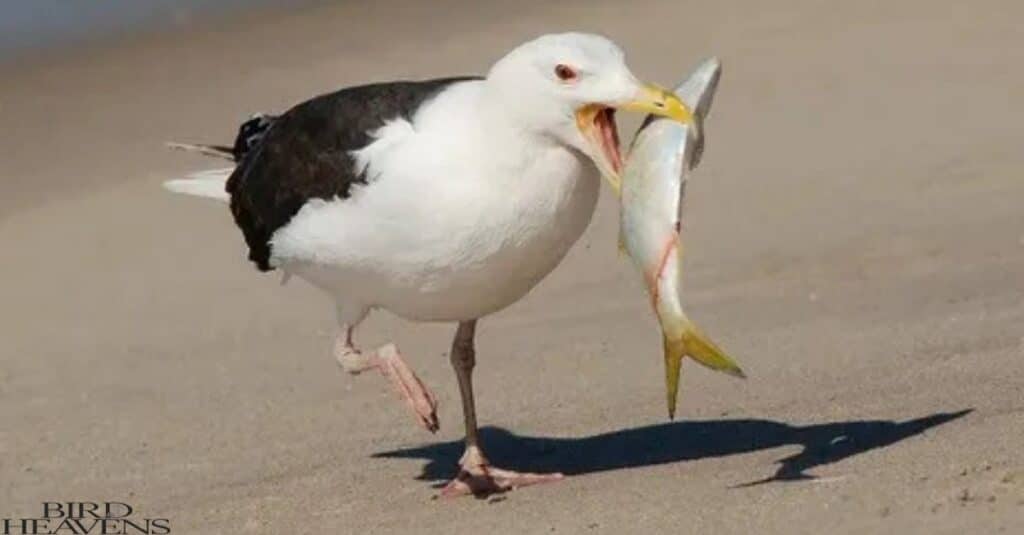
610	140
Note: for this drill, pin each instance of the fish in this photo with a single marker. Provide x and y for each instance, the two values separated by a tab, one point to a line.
653	184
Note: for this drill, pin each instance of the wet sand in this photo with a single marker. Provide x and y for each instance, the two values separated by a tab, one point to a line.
856	241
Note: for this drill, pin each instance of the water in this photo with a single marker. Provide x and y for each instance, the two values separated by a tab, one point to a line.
29	25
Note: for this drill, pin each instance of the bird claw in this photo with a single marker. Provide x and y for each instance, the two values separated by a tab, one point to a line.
388	361
418	398
478	478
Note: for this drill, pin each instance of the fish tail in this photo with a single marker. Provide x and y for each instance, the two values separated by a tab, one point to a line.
700	348
686	340
675	350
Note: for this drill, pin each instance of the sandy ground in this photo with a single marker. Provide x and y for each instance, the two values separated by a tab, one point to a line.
857	241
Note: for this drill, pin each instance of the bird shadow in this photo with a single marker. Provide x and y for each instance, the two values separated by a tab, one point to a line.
677	441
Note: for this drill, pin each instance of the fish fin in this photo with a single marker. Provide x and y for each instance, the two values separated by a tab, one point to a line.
694	344
700	348
675	350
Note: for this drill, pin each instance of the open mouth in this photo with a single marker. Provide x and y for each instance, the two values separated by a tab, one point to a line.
597	123
604	122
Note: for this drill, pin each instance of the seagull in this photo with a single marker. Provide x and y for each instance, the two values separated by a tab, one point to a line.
441	200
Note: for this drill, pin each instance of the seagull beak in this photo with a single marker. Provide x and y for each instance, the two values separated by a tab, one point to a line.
597	124
659	101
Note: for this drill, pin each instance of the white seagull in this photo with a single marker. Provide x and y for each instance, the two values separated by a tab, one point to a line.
440	200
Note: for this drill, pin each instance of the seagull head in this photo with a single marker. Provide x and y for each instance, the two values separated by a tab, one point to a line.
569	85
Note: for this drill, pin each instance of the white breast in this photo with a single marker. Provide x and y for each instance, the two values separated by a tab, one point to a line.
455	223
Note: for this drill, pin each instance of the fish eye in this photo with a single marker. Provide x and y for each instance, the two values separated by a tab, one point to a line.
565	73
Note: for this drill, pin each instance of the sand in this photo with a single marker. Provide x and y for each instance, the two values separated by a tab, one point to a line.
856	241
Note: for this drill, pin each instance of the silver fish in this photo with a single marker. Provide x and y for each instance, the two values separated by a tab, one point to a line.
653	185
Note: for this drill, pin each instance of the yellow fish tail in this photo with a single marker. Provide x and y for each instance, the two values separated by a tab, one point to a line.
690	342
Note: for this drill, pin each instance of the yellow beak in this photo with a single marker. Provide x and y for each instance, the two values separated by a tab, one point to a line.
651	99
662	102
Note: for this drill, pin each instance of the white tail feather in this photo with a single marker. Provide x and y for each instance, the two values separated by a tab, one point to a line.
209	184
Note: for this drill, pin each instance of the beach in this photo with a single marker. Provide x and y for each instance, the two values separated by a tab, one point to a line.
855	240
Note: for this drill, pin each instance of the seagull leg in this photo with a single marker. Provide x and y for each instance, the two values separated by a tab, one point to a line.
389	362
476	475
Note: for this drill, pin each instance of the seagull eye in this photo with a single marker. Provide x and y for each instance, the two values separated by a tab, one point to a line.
565	73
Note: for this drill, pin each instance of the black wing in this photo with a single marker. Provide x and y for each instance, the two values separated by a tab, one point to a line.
304	154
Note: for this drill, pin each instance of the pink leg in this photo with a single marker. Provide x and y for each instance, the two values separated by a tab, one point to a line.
476	475
389	362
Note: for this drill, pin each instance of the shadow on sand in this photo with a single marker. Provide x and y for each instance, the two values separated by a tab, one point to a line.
677	441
